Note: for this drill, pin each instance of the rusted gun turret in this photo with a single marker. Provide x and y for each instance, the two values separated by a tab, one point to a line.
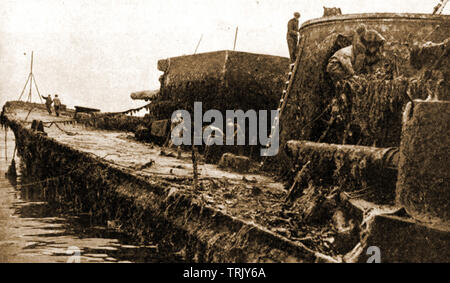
223	80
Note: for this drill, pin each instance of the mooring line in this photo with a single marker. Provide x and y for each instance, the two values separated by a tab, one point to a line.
56	121
14	152
29	113
40	182
132	110
66	132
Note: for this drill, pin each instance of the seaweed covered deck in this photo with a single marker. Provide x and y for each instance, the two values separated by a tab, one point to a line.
144	190
254	199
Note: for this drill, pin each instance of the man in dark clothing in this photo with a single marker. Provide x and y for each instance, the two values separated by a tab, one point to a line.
292	36
48	103
56	104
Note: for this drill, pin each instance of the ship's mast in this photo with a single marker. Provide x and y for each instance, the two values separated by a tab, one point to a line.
31	79
235	38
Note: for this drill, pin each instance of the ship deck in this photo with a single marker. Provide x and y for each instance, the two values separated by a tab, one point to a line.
253	198
230	216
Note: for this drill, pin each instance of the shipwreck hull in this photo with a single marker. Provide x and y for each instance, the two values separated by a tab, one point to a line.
348	182
231	220
150	207
147	209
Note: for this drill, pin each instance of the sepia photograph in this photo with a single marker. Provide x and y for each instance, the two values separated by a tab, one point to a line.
233	132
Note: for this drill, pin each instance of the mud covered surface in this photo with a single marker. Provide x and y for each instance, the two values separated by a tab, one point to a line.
229	217
144	191
423	186
365	110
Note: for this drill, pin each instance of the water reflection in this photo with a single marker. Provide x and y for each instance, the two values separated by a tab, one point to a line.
31	230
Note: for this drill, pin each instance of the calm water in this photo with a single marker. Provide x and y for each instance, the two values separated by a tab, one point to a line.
33	231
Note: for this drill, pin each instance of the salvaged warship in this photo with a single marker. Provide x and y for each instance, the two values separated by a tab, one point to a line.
362	169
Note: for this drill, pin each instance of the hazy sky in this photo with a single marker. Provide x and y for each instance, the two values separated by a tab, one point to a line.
96	52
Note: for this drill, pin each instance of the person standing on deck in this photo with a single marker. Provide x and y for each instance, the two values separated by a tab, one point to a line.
57	105
292	36
215	133
177	120
48	103
237	132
